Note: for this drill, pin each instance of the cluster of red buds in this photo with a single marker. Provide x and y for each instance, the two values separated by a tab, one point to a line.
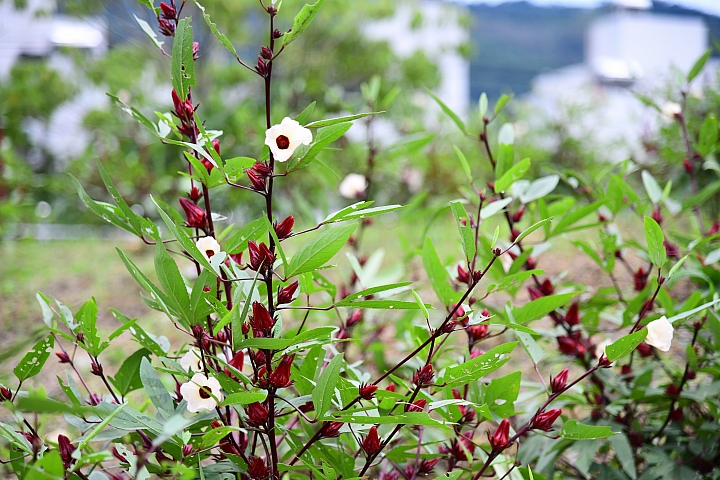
263	61
279	377
167	21
257	468
258	175
462	448
185	112
260	255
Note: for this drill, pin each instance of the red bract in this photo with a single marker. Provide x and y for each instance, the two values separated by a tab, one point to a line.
354	318
462	275
63	357
285	295
477	332
284	228
257	181
166	28
371	444
238	360
499	439
545	420
5	394
168	12
572	316
367	392
424	375
426	466
517	216
416	406
195	215
195	194
259	255
261	319
66	450
640	279
559	382
331	429
567	345
236	257
547	287
257	414
657	216
391	387
257	469
534	293
280	377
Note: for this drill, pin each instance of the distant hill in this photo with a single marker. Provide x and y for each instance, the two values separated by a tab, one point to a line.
515	41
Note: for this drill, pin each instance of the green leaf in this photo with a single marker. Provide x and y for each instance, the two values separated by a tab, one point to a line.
182	238
385	304
652	187
99	427
132	219
530	346
33	361
237	241
502	102
244	398
420	304
464	163
437	275
157	295
302	21
574	430
370	291
325	136
319	250
532	228
183	68
623	346
155	389
172	282
283	343
542	306
145	26
501	394
655	238
708	134
304	116
213	28
87	319
575	216
109	213
453	116
407	418
127	377
476	368
340	214
512	175
495	207
334	121
466	231
703	196
324	391
371	212
699	65
48	467
624	453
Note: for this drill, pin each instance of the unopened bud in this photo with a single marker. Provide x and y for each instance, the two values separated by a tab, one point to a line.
168	12
285	295
5	394
266	53
277	34
367	392
187	450
63	357
559	382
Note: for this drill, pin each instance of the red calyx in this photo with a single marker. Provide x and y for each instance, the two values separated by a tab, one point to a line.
367	392
331	429
285	295
257	181
547	287
499	439
257	469
259	255
354	319
284	228
462	275
545	420
371	443
416	406
478	332
196	217
168	12
238	360
257	414
261	318
558	383
572	316
63	357
640	279
66	450
280	377
424	375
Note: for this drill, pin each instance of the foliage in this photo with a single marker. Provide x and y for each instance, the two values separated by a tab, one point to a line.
286	370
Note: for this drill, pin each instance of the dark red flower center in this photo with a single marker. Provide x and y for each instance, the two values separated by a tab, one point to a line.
205	392
283	142
209	253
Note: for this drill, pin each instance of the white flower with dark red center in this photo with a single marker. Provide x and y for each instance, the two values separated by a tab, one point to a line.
202	393
660	334
284	138
353	185
670	110
208	246
191	361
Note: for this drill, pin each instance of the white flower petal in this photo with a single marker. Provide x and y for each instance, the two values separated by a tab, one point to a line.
191	391
295	134
208	246
191	361
660	334
669	110
600	349
353	185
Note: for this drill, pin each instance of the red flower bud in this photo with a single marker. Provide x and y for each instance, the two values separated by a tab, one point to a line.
257	181
676	414
688	166
644	350
63	357
640	279
657	216
277	34
671	250
96	368
459	311
367	392
715	229
391	387
238	360
261	319
195	194
371	444
236	257
477	332
257	469
166	28
559	382
216	146
475	353
261	66
547	287
354	318
187	450
168	12
196	217
424	375
462	275
517	216
280	377
534	293
285	295
66	450
545	420
5	394
262	169
257	414
572	317
499	439
672	390
259	255
196	55
331	429
567	345
416	406
266	53
284	228
626	370
426	466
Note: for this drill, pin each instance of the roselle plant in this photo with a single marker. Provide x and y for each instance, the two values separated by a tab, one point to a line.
505	372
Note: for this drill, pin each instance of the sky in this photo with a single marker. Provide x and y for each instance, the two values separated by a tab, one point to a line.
709	6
